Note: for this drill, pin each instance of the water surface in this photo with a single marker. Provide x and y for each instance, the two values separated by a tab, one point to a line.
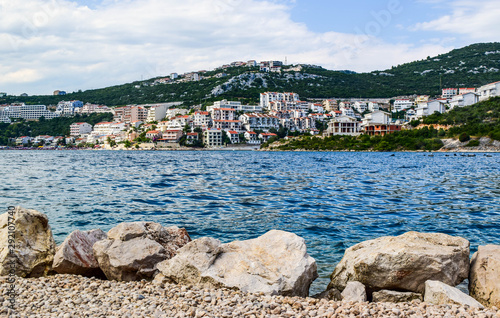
332	200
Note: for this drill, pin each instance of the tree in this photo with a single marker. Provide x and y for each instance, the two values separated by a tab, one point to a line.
464	137
127	144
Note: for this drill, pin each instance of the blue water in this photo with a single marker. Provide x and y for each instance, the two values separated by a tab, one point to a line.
332	200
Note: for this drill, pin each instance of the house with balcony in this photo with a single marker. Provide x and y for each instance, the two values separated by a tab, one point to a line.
172	135
23	140
448	93
489	90
202	119
212	138
463	100
154	134
378	124
227	125
401	104
266	136
78	129
437	105
234	136
254	121
252	138
45	139
343	125
191	138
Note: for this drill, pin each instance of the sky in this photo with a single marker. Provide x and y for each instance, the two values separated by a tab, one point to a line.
48	45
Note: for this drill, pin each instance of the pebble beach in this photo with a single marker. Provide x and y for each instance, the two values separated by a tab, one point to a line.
76	296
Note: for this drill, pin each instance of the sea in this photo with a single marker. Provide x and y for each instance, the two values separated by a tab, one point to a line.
331	199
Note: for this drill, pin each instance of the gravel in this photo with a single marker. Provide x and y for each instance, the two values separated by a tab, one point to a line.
75	296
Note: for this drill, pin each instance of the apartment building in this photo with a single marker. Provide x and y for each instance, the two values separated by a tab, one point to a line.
77	129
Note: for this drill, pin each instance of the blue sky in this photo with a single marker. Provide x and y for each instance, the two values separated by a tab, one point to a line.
83	44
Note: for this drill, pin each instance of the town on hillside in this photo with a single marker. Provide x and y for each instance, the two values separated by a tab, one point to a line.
230	123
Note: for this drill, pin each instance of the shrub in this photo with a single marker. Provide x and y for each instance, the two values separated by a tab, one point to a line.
473	143
464	137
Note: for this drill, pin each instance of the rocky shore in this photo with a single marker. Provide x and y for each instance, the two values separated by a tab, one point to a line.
77	296
142	269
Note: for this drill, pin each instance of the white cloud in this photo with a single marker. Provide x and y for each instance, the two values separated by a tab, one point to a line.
70	47
478	20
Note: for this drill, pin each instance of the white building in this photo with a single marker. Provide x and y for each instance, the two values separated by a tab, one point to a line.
317	108
449	92
27	112
234	136
202	119
268	97
259	122
91	108
487	91
108	128
175	112
347	111
401	104
223	113
438	105
78	129
212	138
157	113
465	90
377	117
68	108
361	106
224	104
237	106
372	106
343	125
463	100
252	138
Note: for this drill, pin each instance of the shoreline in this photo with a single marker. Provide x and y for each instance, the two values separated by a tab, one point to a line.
440	151
77	296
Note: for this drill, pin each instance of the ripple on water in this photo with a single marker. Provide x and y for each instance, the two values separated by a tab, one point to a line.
332	200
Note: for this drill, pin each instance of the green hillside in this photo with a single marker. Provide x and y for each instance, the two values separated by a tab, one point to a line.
478	120
470	66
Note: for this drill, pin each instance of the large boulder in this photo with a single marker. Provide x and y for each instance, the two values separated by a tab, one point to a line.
275	263
404	262
133	250
484	277
34	245
75	255
438	293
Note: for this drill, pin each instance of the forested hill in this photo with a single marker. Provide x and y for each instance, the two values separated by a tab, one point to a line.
471	66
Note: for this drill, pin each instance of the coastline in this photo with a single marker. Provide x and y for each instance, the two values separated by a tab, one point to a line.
443	151
77	296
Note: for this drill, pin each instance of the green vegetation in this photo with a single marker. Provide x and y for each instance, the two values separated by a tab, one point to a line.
419	139
473	143
466	67
53	127
481	119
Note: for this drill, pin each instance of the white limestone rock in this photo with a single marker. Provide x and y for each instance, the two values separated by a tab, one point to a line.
390	296
133	250
354	292
404	262
484	277
438	293
34	244
275	263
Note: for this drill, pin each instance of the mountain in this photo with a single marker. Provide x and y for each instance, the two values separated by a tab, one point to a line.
471	66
